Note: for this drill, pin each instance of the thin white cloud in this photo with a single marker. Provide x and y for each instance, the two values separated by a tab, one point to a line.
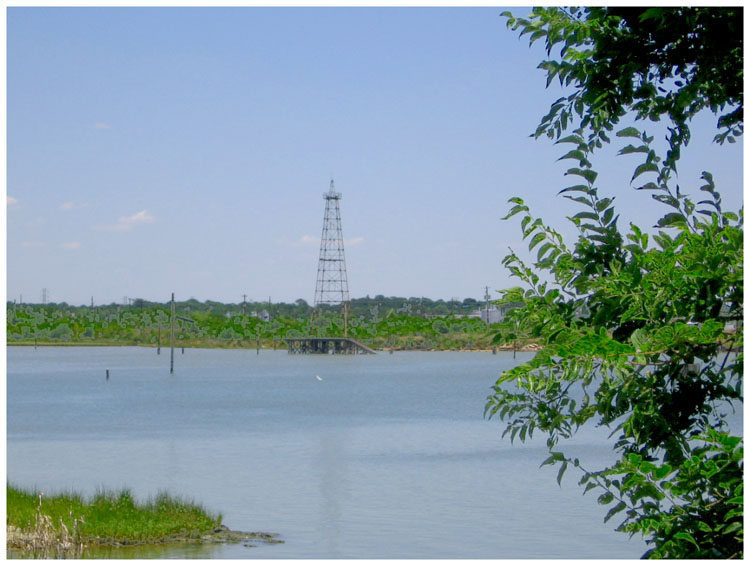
354	241
12	201
137	218
31	244
102	126
70	205
301	241
70	245
127	222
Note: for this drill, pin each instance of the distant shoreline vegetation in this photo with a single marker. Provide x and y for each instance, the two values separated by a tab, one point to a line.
381	323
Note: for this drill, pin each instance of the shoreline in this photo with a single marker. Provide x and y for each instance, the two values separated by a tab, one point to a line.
66	524
28	542
26	344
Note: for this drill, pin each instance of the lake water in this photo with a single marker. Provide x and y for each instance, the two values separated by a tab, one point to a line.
385	456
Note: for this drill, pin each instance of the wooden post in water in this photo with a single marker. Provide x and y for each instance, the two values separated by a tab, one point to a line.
171	339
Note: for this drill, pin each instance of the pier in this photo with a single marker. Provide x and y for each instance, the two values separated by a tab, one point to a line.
333	345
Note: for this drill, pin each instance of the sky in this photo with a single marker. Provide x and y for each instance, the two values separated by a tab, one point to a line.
186	150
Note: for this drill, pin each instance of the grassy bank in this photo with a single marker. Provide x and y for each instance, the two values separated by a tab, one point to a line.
62	525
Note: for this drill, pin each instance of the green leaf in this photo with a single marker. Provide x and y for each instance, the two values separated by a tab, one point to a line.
581	200
671	219
589	487
576	189
662	472
629	133
602	204
515	210
686	536
576	139
650	186
732	528
543	249
635	459
628	149
616	509
605	498
554	457
668	200
538	237
576	154
587	174
587	215
644	168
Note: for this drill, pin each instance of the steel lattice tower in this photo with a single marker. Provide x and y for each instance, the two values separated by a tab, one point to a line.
331	287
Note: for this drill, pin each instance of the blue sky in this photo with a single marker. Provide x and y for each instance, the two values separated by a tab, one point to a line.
186	150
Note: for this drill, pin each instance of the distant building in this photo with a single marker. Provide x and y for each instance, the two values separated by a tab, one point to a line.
495	313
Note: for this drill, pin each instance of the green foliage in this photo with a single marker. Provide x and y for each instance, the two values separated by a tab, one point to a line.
110	516
218	325
640	332
656	62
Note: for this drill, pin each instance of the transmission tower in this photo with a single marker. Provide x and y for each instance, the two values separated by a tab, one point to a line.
331	287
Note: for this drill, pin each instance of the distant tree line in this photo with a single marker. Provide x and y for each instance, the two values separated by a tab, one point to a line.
368	307
381	322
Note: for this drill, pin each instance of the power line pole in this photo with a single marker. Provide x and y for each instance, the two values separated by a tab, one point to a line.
171	339
487	305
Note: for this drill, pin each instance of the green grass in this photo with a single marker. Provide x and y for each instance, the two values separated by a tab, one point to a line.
111	517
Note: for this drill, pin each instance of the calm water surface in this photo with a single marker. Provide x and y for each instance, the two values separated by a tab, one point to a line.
385	456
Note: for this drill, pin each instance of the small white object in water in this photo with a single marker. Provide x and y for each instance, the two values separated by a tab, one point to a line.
318	378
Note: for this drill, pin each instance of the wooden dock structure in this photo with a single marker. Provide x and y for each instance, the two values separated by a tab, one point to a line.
331	345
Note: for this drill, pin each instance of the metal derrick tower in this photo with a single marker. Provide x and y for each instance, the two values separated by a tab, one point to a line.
331	287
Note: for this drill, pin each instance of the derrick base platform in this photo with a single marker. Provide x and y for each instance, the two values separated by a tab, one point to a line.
332	345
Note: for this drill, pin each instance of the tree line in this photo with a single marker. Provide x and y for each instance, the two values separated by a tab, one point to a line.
379	322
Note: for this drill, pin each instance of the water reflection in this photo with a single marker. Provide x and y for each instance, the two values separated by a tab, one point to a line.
333	485
140	551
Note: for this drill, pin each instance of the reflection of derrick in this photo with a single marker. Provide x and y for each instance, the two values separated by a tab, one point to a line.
331	286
